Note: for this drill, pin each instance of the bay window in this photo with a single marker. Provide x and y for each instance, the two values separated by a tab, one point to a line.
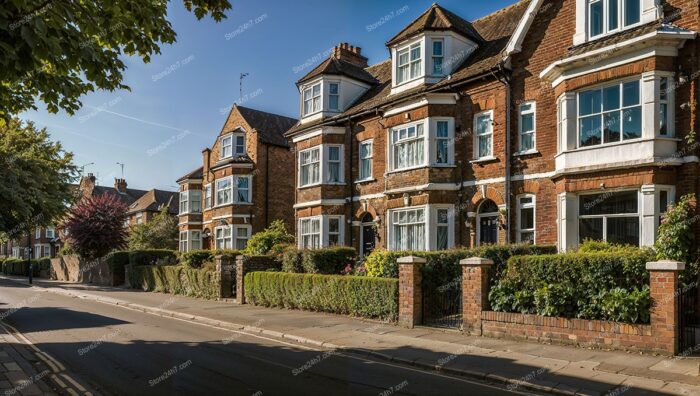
366	160
420	228
226	146
610	114
483	125
334	164
195	240
190	201
312	99
231	144
443	141
408	146
223	191
223	237
608	16
234	189
310	167
334	96
409	64
526	219
408	229
443	229
183	241
207	197
243	189
664	114
321	231
183	202
438	56
527	126
610	216
241	236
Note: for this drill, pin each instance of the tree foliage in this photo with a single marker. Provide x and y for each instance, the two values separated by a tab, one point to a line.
675	240
159	233
35	178
263	242
95	226
57	51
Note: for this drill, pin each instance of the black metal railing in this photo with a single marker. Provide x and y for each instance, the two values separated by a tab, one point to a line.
689	326
442	305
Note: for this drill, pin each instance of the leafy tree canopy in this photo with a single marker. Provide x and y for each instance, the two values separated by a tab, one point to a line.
159	233
95	226
35	179
56	51
675	240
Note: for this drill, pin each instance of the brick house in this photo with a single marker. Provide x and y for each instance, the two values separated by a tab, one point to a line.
546	122
245	183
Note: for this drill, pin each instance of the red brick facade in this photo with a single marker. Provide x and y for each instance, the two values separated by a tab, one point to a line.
547	68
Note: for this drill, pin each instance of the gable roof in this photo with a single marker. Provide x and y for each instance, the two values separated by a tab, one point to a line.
128	197
334	66
270	127
154	199
196	174
496	30
437	18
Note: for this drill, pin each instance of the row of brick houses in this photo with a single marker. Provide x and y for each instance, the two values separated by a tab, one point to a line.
546	121
142	206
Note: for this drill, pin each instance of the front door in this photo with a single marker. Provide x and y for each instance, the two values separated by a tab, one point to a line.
368	238
488	229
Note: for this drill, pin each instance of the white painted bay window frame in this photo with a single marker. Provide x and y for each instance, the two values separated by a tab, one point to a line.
190	202
413	62
233	190
207	196
408	134
322	164
526	206
223	237
241	233
321	238
607	17
485	134
313	97
430	224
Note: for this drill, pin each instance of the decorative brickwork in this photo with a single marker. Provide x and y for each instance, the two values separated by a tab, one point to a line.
410	293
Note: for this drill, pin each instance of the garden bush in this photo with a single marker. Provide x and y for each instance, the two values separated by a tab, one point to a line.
20	267
263	242
175	279
345	295
152	257
328	261
117	261
196	258
609	285
291	260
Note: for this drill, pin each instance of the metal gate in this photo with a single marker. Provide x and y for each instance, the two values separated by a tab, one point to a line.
442	304
689	328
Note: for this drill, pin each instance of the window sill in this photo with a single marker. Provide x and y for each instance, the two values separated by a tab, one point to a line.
406	169
528	152
443	166
369	180
232	204
483	160
319	185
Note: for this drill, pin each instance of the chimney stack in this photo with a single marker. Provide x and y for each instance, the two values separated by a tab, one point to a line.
120	185
350	54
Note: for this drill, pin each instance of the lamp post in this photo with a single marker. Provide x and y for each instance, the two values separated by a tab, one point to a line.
29	255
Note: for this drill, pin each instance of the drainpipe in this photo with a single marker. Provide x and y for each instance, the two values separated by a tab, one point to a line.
351	182
504	79
267	186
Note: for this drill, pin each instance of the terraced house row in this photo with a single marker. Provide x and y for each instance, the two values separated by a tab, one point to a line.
549	122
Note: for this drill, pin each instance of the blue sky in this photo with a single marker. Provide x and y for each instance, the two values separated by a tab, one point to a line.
178	102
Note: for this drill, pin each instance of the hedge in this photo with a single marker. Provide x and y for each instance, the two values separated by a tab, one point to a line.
344	295
20	267
175	279
152	257
382	263
603	284
328	261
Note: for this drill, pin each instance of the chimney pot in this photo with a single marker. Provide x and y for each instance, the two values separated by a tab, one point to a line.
350	54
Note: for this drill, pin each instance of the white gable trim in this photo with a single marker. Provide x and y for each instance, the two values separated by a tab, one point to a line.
516	40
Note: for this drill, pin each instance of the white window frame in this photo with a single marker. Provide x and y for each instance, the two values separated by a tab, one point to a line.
440	57
521	132
217	190
184	241
52	233
195	237
37	233
234	234
601	112
561	127
669	101
139	218
430	225
323	165
226	240
188	199
313	99
532	205
450	138
477	136
301	235
184	204
409	140
369	158
226	150
207	196
324	231
620	18
410	62
236	190
336	95
605	217
326	161
311	182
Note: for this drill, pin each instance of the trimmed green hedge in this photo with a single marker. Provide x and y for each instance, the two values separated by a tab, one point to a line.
608	284
175	279
345	295
20	267
196	258
152	257
328	261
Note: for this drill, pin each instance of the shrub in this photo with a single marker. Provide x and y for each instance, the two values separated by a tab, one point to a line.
576	285
20	267
227	252
382	263
263	242
197	258
175	279
329	261
96	226
345	295
152	257
117	261
291	260
159	233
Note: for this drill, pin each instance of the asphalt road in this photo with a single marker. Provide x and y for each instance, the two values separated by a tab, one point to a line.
117	351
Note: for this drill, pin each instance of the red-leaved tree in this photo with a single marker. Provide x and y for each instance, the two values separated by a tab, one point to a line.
95	226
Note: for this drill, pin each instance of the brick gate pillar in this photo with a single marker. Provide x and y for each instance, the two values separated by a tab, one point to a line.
475	289
665	295
410	293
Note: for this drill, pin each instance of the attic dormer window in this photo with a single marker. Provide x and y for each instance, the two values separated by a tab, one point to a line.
608	16
232	144
312	99
409	64
438	56
334	96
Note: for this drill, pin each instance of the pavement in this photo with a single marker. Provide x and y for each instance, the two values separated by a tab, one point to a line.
21	373
518	365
